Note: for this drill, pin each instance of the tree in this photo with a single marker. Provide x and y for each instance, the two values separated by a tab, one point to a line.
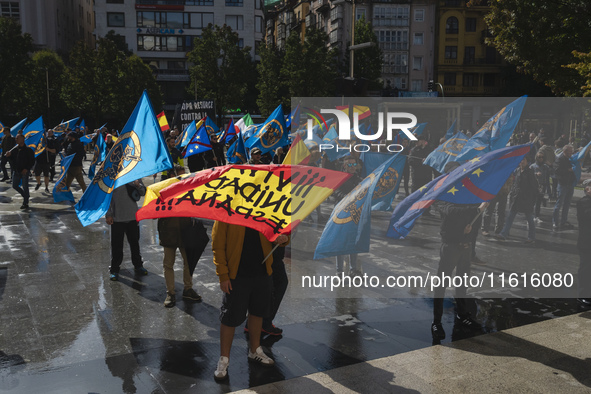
14	66
309	68
272	88
221	68
367	61
539	37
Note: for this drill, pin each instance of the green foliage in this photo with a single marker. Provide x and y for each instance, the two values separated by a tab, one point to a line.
539	37
221	68
15	66
367	62
272	89
583	68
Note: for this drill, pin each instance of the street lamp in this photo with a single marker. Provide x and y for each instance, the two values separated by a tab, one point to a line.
48	103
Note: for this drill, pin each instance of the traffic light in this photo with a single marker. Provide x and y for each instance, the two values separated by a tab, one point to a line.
430	85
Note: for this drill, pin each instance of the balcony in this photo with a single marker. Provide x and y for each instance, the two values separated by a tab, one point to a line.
483	61
450	61
176	5
323	5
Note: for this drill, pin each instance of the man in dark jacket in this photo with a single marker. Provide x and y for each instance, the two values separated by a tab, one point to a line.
522	198
584	245
565	176
457	234
23	159
75	171
8	143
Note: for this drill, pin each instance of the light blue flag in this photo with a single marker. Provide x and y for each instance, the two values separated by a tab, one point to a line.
60	128
451	132
87	139
100	153
237	152
250	131
199	143
210	126
82	126
188	134
577	162
18	127
61	192
416	131
446	152
495	133
293	118
139	151
34	136
349	227
272	134
388	184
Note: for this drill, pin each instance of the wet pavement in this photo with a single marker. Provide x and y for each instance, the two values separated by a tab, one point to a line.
65	328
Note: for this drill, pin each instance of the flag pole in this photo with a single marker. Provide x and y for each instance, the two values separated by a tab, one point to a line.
270	253
477	216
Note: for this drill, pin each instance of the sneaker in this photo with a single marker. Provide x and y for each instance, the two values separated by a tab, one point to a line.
25	206
170	300
190	294
586	302
141	271
4	179
272	330
537	220
260	357
469	323
221	372
114	277
477	261
38	186
529	241
437	331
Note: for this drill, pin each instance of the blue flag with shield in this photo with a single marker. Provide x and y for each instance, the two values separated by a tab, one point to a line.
446	152
61	192
34	136
139	151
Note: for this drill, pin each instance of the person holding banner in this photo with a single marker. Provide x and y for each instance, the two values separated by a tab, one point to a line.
243	259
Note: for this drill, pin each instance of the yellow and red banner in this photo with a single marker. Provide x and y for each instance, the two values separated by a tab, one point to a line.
361	110
298	153
162	121
268	198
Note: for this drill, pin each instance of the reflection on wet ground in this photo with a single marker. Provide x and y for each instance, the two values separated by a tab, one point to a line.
67	328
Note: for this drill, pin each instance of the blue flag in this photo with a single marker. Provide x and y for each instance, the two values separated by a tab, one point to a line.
451	132
271	134
60	128
100	152
293	118
577	162
237	152
18	127
495	133
210	126
199	143
139	151
187	135
82	126
60	191
35	137
474	182
388	185
446	152
349	227
230	133
87	139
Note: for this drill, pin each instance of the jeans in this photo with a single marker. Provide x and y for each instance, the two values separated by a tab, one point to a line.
118	231
18	178
500	203
531	227
565	195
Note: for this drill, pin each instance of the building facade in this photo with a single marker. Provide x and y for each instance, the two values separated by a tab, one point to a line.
161	32
53	24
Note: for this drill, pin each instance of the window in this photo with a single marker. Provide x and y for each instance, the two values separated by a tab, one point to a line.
469	55
393	39
419	15
451	26
491	55
198	2
336	13
416	85
390	16
10	9
449	79
164	43
176	65
451	52
115	19
489	80
174	20
258	24
418	39
200	20
235	22
470	24
400	83
333	36
234	3
395	63
360	13
470	79
417	63
241	43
